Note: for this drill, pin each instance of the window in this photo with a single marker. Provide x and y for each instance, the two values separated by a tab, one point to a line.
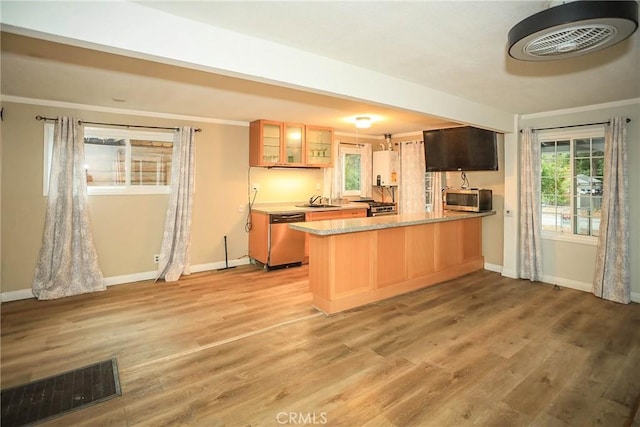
121	161
572	174
351	171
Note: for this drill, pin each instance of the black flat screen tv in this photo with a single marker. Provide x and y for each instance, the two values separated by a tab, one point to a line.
460	149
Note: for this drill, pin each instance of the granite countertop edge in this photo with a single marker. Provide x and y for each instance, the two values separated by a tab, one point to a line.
353	225
283	208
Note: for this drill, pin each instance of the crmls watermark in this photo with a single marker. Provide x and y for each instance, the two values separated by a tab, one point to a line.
304	418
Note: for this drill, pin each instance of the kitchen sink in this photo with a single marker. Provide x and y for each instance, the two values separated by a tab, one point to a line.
314	205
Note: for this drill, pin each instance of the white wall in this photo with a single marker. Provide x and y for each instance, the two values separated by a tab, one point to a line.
141	32
127	228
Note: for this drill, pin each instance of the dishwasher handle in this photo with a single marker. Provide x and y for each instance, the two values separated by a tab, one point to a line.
286	218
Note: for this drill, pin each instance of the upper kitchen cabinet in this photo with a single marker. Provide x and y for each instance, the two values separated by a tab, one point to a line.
319	146
274	143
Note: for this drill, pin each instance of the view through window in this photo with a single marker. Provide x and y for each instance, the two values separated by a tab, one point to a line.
572	175
122	161
352	167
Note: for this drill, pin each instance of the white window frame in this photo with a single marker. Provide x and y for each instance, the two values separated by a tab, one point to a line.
571	134
343	152
104	132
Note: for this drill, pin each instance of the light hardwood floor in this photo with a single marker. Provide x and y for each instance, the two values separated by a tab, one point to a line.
244	347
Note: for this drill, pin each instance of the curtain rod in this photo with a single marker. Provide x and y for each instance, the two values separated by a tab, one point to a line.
114	124
574	126
351	143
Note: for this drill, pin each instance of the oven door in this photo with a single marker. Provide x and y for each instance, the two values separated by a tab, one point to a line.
380	212
383	213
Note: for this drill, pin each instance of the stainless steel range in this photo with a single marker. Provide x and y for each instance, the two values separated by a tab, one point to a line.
381	208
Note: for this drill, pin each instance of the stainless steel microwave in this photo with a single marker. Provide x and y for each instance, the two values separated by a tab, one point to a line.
469	200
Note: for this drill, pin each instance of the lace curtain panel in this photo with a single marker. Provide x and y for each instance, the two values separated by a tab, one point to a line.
612	277
365	170
68	262
530	227
412	180
436	193
176	239
332	176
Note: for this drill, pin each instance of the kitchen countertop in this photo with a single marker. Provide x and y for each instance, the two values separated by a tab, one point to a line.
341	226
291	207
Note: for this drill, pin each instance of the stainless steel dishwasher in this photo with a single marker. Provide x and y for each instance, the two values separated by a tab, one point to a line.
286	246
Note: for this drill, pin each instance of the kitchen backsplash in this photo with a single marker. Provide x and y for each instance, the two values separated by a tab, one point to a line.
285	185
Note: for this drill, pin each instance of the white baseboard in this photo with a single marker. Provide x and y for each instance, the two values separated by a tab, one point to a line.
16	295
493	267
149	275
580	286
218	265
567	283
128	278
513	274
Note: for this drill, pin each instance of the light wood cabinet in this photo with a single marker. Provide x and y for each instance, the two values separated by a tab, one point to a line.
259	237
322	215
353	213
274	143
319	146
338	214
356	268
319	216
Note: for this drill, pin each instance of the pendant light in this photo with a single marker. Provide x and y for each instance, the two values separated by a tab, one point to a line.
572	29
363	122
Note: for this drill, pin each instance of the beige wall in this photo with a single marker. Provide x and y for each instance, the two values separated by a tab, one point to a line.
492	226
127	229
574	263
1	205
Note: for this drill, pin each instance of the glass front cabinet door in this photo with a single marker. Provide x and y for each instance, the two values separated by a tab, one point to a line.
265	143
274	143
319	146
294	137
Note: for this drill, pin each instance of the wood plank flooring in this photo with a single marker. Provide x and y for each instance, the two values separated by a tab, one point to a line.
244	347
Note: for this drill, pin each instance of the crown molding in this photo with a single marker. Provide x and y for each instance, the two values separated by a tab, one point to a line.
583	109
112	110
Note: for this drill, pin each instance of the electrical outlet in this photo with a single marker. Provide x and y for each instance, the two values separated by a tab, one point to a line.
156	258
240	208
255	187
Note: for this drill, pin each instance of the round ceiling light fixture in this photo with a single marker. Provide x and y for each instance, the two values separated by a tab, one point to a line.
363	122
572	29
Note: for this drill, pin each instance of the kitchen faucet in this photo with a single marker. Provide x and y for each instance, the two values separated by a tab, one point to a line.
314	199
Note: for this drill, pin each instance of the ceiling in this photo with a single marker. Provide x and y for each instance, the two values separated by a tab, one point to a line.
457	47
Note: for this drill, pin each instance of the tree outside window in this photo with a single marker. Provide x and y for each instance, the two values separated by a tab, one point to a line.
352	172
572	171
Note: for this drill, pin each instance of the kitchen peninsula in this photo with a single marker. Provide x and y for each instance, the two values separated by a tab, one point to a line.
353	262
